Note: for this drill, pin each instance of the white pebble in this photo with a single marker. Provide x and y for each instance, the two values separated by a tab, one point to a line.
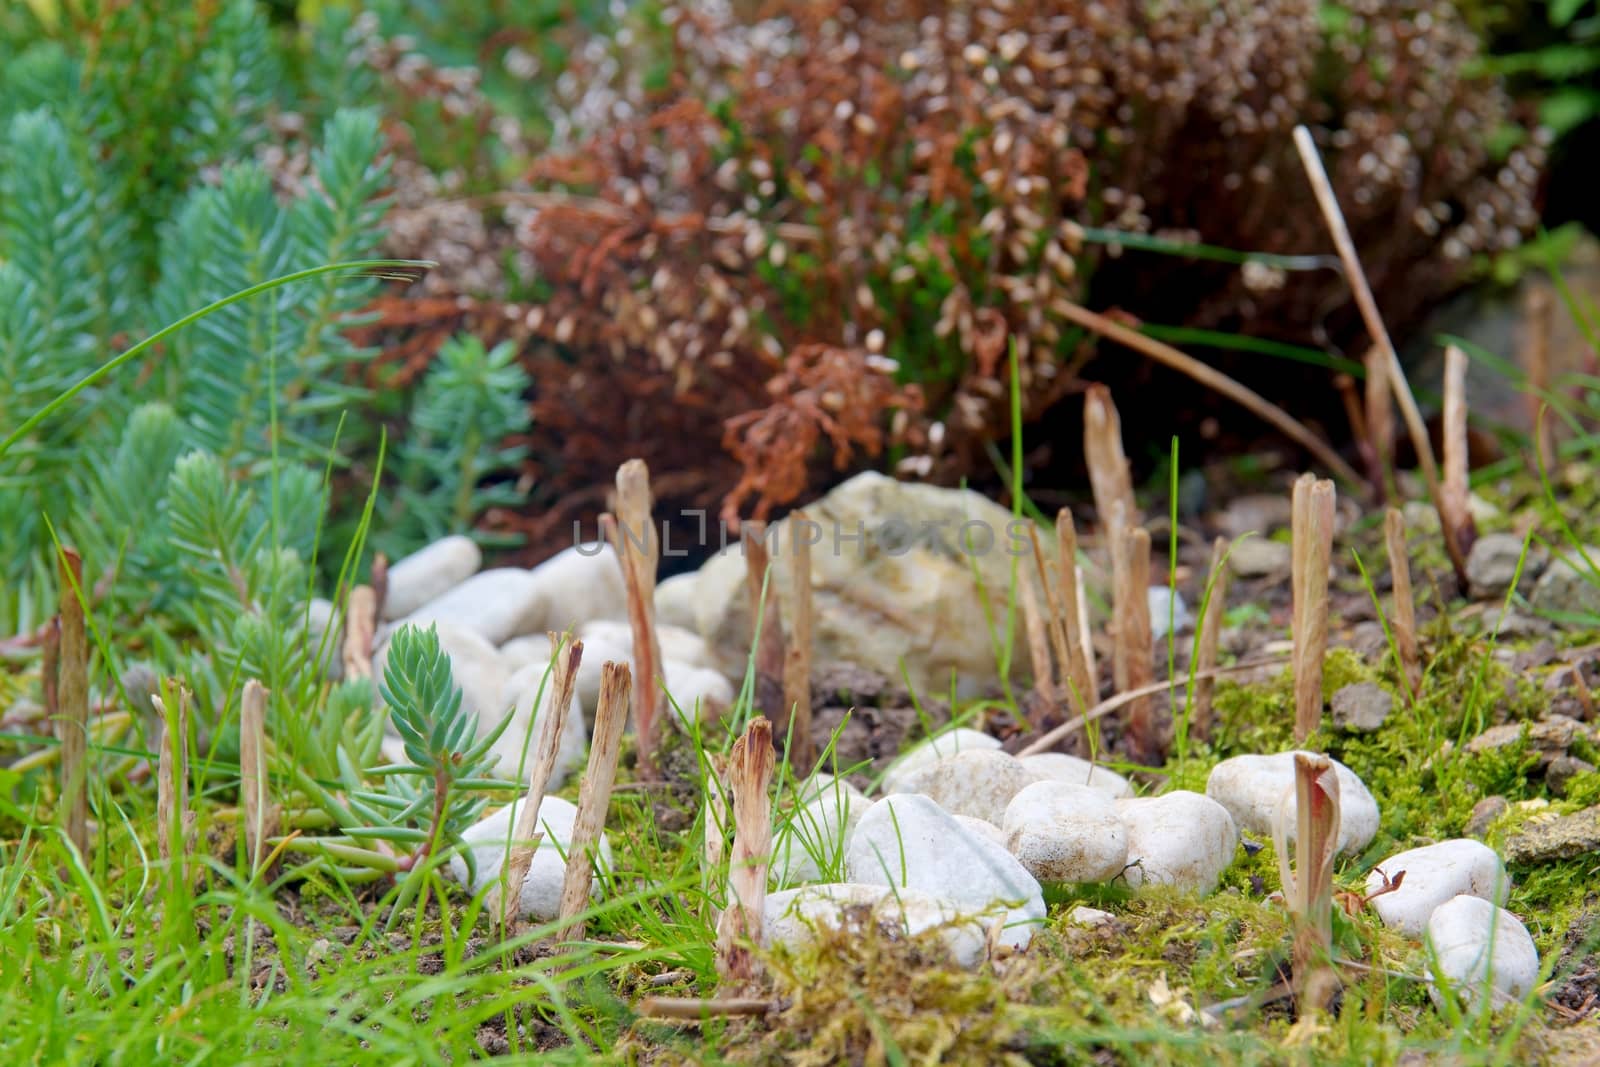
578	585
428	574
1475	942
489	838
794	916
1066	833
934	748
676	598
978	782
1181	838
526	728
1253	787
1060	767
498	605
1433	875
809	843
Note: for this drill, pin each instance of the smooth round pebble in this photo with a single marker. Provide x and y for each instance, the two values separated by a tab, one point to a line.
577	585
977	782
429	573
677	643
497	605
810	842
1475	942
698	693
676	598
1074	770
935	748
1066	833
516	746
794	916
1433	875
1253	788
1181	839
909	842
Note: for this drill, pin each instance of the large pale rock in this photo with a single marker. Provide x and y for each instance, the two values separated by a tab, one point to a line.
578	585
794	917
1060	767
497	605
1066	833
699	694
979	782
527	727
1433	875
809	844
489	839
892	575
1477	945
1181	839
598	651
909	842
932	750
683	645
1253	787
428	574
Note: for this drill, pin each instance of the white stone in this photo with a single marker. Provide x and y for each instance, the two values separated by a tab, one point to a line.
526	728
521	651
935	748
1088	917
909	842
809	845
1475	943
1162	602
979	782
1253	787
675	600
578	585
322	644
1181	838
596	654
1433	875
489	839
677	643
698	693
498	605
983	828
428	574
1060	767
475	665
1066	833
794	916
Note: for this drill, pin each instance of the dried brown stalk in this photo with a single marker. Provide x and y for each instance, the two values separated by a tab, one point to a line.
696	1008
526	835
594	797
1403	619
632	535
1038	651
1210	637
1357	279
1132	643
766	616
360	624
259	818
1212	379
1308	888
750	767
1080	667
72	703
1109	474
1455	513
1536	361
1380	415
380	583
797	660
1313	553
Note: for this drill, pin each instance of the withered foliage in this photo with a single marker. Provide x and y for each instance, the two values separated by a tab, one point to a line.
760	223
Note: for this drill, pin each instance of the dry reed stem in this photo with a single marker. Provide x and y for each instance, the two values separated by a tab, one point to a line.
1058	646
594	797
360	624
1379	414
1403	619
1536	361
1308	889
1210	638
1112	482
1299	496
72	703
1313	553
632	535
1080	667
766	616
1454	492
750	767
1357	280
693	1009
259	818
1038	650
380	583
797	658
1214	380
1116	702
1132	645
525	836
